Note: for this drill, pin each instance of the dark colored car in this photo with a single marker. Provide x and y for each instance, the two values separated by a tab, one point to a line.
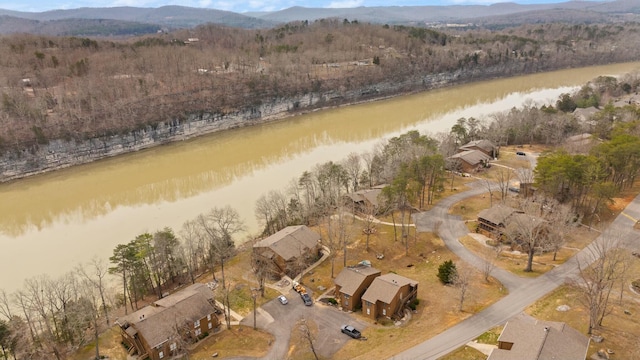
351	331
307	299
520	153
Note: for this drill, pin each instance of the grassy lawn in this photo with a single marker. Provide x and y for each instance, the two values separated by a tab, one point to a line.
438	308
299	346
620	330
109	345
238	341
465	353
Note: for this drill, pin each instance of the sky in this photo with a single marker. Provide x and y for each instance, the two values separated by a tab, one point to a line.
240	6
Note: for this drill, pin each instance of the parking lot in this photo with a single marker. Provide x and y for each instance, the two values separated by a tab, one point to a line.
280	319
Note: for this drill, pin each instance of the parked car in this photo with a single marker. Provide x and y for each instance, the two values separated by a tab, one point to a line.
307	299
351	331
283	300
520	153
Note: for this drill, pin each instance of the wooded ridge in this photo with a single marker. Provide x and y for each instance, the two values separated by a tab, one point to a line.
69	100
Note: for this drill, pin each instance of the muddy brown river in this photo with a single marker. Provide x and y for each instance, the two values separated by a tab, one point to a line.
51	222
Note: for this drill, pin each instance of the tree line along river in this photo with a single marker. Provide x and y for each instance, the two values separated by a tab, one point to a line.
49	223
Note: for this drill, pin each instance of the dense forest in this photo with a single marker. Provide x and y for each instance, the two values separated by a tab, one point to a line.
79	88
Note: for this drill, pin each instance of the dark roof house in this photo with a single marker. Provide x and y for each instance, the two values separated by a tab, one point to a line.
351	283
531	339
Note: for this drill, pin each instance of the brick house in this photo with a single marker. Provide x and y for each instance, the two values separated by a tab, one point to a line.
387	295
159	330
351	283
494	220
289	250
529	339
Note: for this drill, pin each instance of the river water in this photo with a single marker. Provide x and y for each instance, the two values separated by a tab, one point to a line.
49	223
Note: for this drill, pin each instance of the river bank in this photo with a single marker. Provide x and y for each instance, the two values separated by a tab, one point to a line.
62	153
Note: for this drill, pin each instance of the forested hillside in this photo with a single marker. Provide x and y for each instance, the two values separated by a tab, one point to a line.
79	88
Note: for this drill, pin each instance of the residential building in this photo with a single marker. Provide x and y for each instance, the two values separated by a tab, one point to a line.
290	250
469	160
484	146
529	339
161	330
387	295
494	219
351	283
365	198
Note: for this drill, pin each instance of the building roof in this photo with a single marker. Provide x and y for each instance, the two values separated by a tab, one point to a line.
541	340
366	195
157	322
483	144
351	278
290	242
497	214
384	288
472	157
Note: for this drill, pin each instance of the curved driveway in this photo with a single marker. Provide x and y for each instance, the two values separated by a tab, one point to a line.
522	291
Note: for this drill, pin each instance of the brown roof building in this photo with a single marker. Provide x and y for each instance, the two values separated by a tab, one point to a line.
157	330
290	249
351	283
470	160
387	295
531	339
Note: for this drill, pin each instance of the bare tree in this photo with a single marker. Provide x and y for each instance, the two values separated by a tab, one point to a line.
502	179
352	165
190	248
461	282
94	273
337	236
599	270
307	335
488	255
369	212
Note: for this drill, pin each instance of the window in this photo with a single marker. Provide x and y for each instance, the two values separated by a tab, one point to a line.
173	347
368	311
196	324
209	317
198	332
210	326
384	311
161	354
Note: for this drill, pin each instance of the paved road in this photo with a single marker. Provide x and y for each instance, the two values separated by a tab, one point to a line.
522	291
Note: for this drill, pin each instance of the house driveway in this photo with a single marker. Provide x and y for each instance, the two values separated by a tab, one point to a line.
279	320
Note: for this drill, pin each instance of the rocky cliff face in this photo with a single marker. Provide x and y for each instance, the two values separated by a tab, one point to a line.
61	153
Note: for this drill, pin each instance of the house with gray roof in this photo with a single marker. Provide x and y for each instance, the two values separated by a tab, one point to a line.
495	219
470	160
526	338
289	250
364	198
485	146
351	283
388	295
158	331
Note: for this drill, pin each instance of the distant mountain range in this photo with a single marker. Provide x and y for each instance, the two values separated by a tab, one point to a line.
134	20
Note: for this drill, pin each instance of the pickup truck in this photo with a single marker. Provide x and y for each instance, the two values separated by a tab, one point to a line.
351	331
